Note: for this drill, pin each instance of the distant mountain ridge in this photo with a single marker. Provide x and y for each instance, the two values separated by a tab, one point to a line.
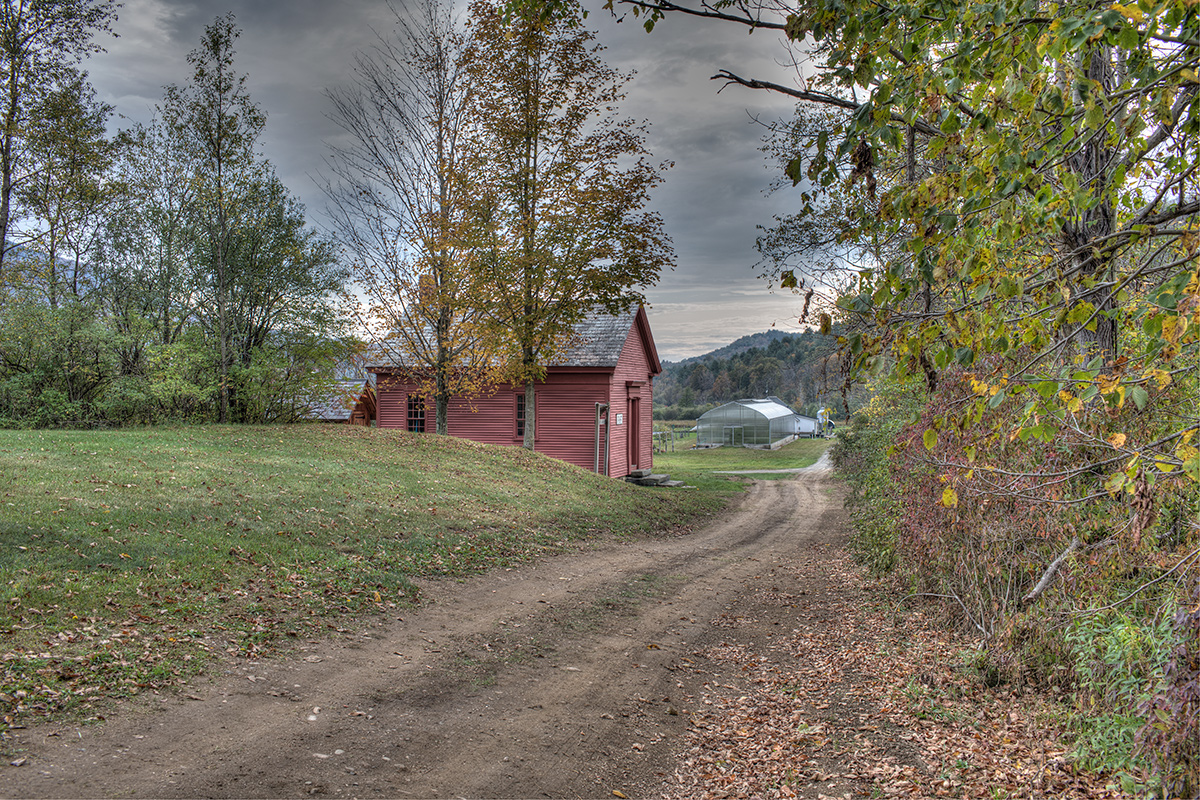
800	368
748	342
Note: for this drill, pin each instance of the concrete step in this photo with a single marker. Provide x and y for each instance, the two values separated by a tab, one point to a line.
639	473
650	480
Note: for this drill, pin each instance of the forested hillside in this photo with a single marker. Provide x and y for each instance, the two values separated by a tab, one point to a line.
802	369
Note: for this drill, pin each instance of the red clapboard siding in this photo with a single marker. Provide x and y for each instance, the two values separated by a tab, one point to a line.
392	403
566	420
565	415
491	419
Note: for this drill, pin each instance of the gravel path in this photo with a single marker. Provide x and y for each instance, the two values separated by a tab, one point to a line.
823	464
564	678
746	659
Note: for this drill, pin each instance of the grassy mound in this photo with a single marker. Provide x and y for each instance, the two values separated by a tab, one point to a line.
131	558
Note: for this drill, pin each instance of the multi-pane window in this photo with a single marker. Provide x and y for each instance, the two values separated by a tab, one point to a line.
520	416
416	413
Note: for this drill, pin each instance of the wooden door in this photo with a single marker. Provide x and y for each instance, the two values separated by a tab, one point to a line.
633	434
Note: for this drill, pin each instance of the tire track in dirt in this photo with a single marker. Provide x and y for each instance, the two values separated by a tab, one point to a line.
571	677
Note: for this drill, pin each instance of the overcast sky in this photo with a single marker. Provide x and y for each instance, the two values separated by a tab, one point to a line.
712	200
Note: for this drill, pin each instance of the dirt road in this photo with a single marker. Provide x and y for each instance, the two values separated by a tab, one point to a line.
573	677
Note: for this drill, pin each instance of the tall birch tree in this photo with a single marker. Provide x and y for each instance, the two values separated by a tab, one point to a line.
70	188
399	196
221	125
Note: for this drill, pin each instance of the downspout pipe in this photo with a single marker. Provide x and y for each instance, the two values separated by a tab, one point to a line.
601	408
607	438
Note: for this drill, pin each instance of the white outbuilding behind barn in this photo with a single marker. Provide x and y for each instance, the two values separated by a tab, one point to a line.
807	427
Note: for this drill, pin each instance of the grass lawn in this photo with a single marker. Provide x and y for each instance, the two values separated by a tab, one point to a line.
130	559
697	466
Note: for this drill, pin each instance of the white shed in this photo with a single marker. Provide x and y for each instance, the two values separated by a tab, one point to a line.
807	426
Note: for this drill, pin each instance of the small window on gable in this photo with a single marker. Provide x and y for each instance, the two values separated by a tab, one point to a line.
416	413
521	416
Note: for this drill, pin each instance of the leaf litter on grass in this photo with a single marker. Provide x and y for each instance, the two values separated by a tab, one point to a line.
134	558
860	702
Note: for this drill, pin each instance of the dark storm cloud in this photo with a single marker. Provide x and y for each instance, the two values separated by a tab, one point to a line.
713	199
290	52
297	25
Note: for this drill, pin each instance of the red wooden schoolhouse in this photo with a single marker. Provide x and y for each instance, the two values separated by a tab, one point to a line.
593	409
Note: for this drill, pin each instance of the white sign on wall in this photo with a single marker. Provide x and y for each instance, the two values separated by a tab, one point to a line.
620	419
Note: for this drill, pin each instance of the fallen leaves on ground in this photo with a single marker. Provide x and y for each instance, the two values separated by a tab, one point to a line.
861	701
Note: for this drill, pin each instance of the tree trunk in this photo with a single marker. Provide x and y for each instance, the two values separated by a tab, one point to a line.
223	334
52	265
530	417
441	394
443	363
1092	164
11	110
222	284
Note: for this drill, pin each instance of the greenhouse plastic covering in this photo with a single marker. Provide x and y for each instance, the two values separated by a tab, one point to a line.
746	423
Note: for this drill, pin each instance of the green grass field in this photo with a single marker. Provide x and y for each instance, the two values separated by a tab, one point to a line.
131	558
697	466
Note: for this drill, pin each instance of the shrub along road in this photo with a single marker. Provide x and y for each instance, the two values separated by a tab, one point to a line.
744	658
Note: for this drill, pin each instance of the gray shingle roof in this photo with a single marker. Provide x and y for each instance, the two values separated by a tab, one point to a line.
597	340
